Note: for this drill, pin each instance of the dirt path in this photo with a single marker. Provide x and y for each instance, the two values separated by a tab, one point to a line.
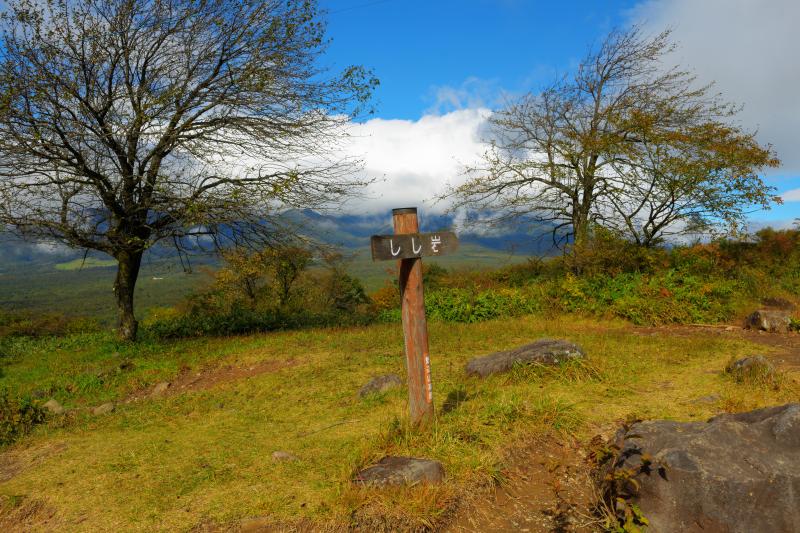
786	345
547	488
207	378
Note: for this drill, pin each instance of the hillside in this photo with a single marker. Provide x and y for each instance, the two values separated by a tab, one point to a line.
46	277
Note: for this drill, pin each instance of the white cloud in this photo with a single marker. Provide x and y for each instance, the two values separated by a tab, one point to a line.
473	93
414	161
791	196
749	48
53	248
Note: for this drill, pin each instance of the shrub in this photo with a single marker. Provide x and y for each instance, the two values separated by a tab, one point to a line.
386	298
463	305
606	252
17	417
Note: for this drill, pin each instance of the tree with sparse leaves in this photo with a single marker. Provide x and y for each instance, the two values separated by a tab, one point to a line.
124	123
624	143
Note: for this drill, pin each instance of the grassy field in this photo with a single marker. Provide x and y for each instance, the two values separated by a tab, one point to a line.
81	289
201	454
470	257
89	262
87	292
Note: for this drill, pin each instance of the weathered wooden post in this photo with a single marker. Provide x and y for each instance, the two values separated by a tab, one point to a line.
409	246
415	326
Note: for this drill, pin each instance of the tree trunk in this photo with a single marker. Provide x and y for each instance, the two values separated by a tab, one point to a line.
580	228
128	264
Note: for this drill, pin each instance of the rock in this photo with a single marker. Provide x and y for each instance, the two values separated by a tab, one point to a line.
54	407
750	368
160	388
381	384
103	409
401	471
283	456
736	473
711	398
772	320
544	351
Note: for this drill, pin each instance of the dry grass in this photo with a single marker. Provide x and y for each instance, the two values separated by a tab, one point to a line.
204	456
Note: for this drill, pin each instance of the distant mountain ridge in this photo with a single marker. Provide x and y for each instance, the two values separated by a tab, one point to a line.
348	231
354	231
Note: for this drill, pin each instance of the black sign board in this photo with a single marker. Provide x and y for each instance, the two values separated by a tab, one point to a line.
410	245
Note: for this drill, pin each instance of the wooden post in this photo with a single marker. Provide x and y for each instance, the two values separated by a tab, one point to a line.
415	327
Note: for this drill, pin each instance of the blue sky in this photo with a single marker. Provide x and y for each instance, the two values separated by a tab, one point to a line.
417	46
443	63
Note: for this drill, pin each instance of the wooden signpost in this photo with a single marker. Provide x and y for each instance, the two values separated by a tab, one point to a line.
410	246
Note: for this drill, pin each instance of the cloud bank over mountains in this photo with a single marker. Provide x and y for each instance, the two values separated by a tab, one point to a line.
412	161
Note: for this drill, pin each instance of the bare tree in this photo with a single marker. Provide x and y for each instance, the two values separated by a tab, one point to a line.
128	122
624	143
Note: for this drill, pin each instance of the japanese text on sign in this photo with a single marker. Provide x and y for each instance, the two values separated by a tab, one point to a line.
413	245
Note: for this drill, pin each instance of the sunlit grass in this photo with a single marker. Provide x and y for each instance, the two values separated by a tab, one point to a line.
205	456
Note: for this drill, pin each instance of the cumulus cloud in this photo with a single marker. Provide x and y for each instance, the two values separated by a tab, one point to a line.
791	196
749	48
414	160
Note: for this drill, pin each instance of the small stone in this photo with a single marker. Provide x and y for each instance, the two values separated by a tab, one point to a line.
283	456
543	352
751	368
103	409
393	471
54	407
160	388
381	384
711	398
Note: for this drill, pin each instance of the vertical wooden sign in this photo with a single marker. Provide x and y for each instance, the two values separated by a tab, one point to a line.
410	246
415	326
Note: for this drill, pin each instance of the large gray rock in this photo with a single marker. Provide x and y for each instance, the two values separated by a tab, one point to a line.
381	384
544	351
772	320
401	471
736	473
